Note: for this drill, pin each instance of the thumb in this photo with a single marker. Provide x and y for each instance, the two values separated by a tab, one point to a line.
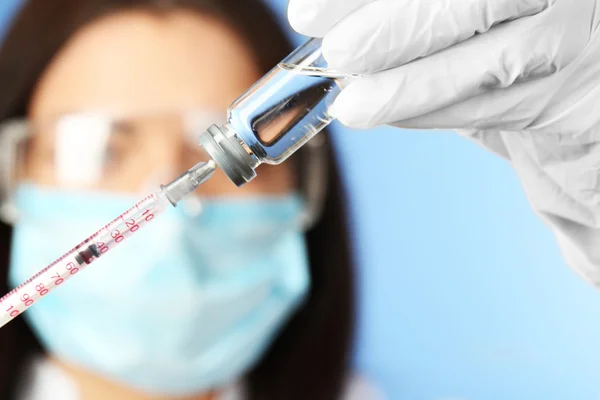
315	18
387	34
517	51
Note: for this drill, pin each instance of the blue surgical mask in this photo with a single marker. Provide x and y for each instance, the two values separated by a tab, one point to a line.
186	305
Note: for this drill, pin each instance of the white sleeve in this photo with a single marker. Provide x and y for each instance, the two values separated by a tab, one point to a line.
46	381
357	388
360	388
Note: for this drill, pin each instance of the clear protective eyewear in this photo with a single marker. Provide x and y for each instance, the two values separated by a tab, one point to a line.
97	151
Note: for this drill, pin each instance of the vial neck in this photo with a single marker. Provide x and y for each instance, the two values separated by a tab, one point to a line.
230	152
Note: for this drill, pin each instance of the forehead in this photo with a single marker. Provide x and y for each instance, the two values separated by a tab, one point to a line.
136	61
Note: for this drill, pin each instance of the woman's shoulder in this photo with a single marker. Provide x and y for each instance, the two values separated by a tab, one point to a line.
44	378
358	387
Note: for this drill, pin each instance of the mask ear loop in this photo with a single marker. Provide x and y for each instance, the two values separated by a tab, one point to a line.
315	180
12	133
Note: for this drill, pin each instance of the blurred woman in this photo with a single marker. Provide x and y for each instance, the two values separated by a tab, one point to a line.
244	292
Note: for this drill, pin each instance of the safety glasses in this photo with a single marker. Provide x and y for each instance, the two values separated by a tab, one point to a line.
127	154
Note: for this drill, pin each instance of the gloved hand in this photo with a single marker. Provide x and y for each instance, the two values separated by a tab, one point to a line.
522	77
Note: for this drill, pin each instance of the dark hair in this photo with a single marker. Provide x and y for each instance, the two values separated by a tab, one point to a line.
309	359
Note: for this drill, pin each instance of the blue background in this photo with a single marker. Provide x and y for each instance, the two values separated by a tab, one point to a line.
463	292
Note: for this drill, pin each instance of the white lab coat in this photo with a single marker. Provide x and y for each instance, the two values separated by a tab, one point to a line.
47	382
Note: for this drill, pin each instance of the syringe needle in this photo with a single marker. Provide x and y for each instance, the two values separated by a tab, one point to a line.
189	181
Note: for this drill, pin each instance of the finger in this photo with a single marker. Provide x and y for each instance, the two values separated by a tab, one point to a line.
535	105
316	17
518	52
388	33
512	109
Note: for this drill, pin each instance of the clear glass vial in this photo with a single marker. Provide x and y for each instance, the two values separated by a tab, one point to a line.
276	116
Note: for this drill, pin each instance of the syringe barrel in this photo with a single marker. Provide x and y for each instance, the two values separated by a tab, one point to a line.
71	263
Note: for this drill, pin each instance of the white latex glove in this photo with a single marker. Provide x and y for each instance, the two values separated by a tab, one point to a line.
522	77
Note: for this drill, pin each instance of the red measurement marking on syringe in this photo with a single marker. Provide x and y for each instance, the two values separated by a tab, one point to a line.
58	280
102	247
26	300
13	313
116	234
72	268
148	216
41	289
132	225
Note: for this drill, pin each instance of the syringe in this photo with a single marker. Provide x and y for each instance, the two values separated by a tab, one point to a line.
125	225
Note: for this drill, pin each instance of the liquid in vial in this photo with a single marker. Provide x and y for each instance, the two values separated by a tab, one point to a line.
285	109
